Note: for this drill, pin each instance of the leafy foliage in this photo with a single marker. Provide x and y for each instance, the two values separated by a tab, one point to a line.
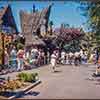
28	77
91	10
20	46
67	35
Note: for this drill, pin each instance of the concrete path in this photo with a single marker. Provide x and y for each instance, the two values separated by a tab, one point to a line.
69	82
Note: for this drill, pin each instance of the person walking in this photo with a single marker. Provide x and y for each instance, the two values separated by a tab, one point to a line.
48	57
80	57
97	71
34	57
94	58
40	57
6	58
13	58
97	56
20	59
57	53
43	58
77	58
66	58
91	58
63	56
83	58
70	58
53	60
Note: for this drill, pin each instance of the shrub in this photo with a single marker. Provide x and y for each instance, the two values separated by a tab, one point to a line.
28	77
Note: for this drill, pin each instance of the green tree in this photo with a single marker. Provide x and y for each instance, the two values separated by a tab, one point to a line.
91	10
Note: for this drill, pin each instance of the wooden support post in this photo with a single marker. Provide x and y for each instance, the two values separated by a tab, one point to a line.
3	48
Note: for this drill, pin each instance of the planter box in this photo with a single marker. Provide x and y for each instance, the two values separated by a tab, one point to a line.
18	92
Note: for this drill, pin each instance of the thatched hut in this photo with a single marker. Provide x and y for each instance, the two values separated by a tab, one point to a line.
31	24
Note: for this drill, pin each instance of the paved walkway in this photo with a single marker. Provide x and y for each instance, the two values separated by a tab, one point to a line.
69	82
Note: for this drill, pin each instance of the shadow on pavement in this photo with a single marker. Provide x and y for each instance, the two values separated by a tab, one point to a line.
92	70
18	94
97	82
11	94
95	79
31	93
90	79
57	71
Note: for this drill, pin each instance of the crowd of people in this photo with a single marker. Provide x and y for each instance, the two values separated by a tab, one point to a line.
25	58
74	58
21	59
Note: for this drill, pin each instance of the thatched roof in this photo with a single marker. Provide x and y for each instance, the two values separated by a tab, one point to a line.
2	11
31	22
6	18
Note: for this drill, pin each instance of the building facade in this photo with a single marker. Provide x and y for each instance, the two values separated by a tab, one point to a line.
7	28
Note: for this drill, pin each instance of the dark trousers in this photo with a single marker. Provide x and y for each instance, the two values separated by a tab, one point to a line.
77	61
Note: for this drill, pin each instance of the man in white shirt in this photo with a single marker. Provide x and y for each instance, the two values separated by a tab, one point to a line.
53	60
63	55
77	58
70	58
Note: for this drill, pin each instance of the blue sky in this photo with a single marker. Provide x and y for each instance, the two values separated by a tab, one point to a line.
61	11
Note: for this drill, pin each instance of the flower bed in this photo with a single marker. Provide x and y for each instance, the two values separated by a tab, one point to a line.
24	82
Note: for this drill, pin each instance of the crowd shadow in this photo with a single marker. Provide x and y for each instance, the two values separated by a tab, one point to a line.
95	80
